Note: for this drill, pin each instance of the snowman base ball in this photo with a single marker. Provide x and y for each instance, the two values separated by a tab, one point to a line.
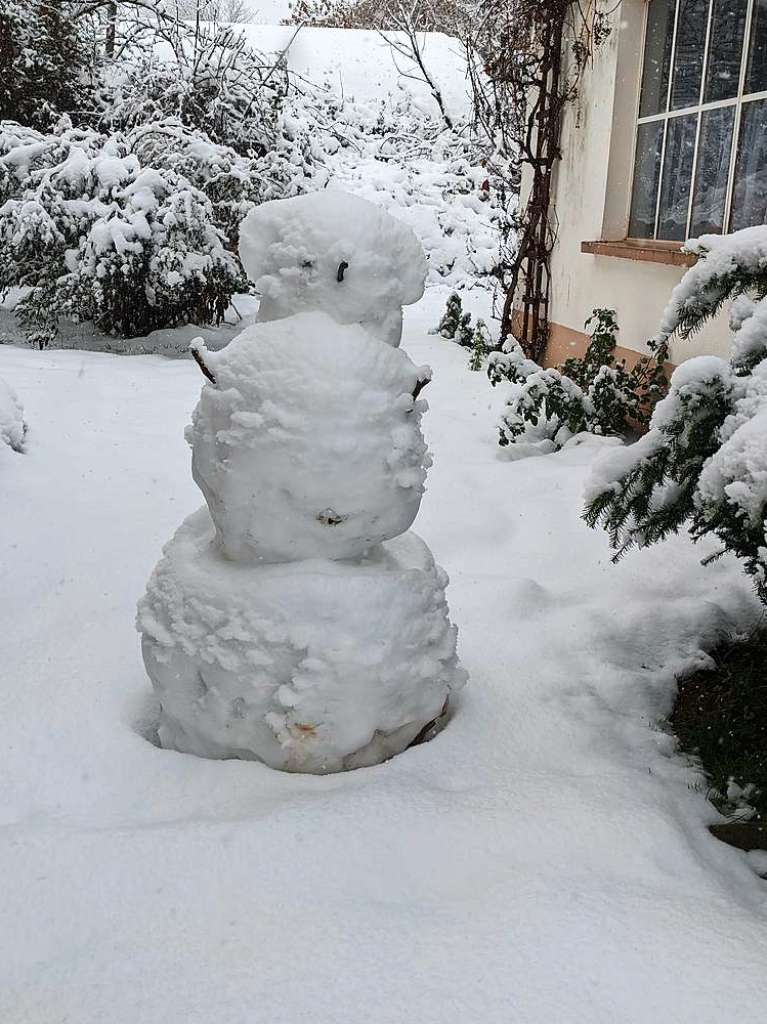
314	666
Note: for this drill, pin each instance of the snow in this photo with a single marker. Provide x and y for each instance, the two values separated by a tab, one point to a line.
699	372
333	251
693	381
438	198
12	427
749	322
310	443
362	65
723	254
171	341
544	859
315	666
278	627
737	472
267	12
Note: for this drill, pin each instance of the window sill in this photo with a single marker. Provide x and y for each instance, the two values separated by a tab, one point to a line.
669	253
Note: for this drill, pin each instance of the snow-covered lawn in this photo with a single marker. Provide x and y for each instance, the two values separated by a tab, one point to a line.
544	861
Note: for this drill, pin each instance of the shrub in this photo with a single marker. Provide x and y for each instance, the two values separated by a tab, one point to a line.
596	393
703	463
225	118
455	325
94	236
480	345
47	64
720	718
212	81
231	182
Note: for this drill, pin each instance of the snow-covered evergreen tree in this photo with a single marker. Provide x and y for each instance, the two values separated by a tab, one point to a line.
703	463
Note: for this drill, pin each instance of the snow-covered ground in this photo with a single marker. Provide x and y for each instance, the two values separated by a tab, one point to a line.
543	861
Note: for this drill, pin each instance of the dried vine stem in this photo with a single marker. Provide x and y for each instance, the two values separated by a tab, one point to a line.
526	61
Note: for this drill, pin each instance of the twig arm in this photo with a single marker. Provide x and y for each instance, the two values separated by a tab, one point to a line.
197	356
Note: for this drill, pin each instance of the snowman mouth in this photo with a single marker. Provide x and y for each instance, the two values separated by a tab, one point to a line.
331	518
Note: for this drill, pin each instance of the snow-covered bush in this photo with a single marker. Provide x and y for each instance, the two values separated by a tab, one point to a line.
245	132
229	180
510	364
480	345
703	463
549	404
233	183
595	394
398	156
233	130
228	113
12	426
95	236
210	80
455	325
46	64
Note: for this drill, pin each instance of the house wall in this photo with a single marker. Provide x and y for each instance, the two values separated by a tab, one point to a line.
592	197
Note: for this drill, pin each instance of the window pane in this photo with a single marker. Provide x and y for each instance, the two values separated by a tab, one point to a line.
677	177
646	177
688	59
711	177
756	77
657	57
749	201
728	28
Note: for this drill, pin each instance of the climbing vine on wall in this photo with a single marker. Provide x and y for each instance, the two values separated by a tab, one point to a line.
527	58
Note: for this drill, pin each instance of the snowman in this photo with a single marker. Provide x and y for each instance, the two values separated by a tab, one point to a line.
295	619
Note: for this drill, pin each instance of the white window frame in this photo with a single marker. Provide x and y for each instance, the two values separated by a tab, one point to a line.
739	101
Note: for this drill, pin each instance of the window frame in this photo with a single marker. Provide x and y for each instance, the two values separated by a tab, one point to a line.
738	102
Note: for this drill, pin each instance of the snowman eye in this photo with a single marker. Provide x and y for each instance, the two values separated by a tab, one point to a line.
343	266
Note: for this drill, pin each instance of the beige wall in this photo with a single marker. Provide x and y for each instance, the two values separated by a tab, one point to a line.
592	201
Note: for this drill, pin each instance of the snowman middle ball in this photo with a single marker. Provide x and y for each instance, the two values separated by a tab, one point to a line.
309	444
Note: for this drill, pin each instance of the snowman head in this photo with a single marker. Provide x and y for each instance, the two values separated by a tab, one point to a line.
337	253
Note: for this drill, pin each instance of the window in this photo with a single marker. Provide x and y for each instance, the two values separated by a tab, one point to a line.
701	144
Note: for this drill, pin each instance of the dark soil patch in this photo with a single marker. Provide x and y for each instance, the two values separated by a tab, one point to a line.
720	717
